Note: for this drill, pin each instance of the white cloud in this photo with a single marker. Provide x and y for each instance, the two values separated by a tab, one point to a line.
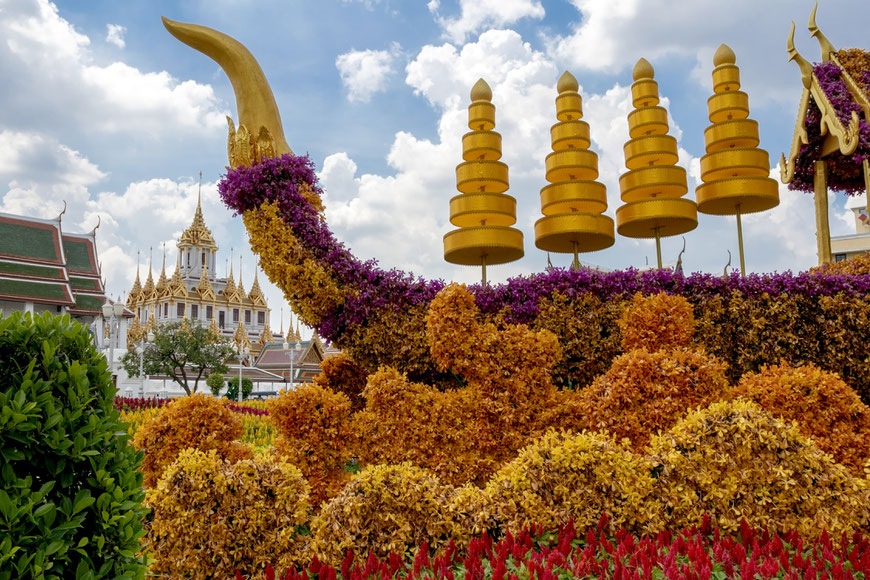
115	34
477	15
366	72
34	157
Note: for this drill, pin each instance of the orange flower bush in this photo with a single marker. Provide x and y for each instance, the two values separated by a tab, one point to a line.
646	392
733	460
197	421
824	407
211	517
384	509
656	322
314	434
566	476
342	375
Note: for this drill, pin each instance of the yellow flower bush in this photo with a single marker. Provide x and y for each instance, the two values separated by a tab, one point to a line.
384	509
314	434
824	407
211	517
197	421
258	431
733	460
342	375
656	322
563	476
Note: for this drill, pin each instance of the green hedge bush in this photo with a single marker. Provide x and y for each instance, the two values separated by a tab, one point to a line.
233	388
70	491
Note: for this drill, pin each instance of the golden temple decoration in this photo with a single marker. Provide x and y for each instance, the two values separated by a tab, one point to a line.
735	171
214	330
162	283
654	185
241	336
573	202
151	325
482	211
204	288
148	289
230	288
176	287
256	294
198	234
134	333
136	291
265	336
260	132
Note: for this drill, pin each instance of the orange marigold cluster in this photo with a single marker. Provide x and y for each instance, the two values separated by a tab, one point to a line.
824	407
314	434
197	421
656	322
858	265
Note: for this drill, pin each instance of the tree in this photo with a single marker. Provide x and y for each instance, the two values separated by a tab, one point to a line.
184	353
215	382
233	388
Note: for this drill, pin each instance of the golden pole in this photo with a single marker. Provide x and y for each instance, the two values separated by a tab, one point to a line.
867	183
658	247
483	267
576	258
823	229
740	241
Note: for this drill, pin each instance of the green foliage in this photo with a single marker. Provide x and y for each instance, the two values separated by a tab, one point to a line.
233	388
215	382
70	491
185	353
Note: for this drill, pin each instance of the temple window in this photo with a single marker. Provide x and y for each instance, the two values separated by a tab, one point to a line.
247	316
166	309
261	318
208	312
235	315
179	312
194	311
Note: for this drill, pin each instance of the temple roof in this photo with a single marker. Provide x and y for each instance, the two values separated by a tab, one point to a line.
832	116
197	234
42	264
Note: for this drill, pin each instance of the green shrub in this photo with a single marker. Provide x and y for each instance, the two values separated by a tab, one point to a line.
70	492
233	388
215	382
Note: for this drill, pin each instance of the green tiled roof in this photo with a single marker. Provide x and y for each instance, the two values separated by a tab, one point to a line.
86	302
78	256
27	289
84	283
28	241
31	270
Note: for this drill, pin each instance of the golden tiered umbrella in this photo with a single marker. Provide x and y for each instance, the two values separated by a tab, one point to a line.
482	211
735	171
654	186
573	202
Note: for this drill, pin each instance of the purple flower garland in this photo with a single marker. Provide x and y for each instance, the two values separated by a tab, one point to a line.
844	173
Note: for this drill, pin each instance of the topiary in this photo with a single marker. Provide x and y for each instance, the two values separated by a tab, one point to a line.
384	509
342	375
657	321
215	382
564	476
233	388
734	461
211	517
197	421
314	434
646	392
839	422
70	490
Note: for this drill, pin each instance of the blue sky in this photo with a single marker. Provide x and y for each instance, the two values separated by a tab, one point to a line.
101	107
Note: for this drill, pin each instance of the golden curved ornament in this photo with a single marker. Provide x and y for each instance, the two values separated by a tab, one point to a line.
260	132
825	46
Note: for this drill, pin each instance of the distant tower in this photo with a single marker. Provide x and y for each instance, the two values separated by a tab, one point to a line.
482	211
573	202
654	186
735	171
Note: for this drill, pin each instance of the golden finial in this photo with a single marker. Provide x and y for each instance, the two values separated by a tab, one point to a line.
282	322
825	45
642	70
803	64
481	91
724	55
567	83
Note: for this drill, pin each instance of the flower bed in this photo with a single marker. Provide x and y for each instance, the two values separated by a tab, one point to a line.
693	553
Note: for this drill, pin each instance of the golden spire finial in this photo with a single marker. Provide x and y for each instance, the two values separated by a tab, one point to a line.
825	45
642	70
481	91
282	321
149	282
162	282
198	234
724	55
803	64
567	83
204	286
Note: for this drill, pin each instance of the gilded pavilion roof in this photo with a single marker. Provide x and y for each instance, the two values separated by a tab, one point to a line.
197	234
832	118
256	294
